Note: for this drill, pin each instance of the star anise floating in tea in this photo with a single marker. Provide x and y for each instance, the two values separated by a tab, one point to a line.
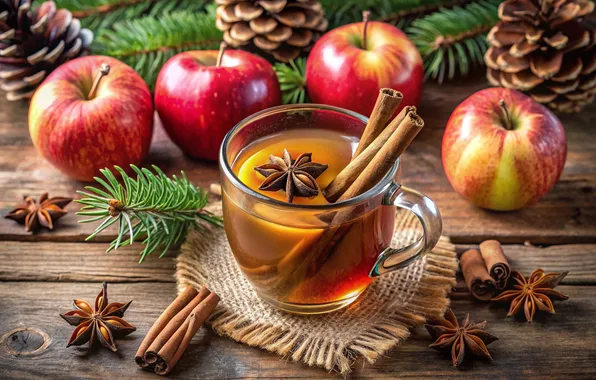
458	339
532	294
296	177
42	213
103	321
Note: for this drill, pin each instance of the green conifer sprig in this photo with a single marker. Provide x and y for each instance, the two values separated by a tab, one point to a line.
399	13
148	42
292	81
100	14
153	207
452	41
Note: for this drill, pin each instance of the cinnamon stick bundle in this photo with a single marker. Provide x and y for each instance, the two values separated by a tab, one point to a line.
171	333
496	262
479	282
385	158
385	106
348	175
307	257
174	308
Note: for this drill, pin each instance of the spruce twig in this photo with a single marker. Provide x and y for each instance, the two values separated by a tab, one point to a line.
452	41
292	81
153	207
399	13
101	14
147	43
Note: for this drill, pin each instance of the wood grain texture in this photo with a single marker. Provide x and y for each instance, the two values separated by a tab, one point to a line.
578	259
565	215
56	261
522	351
42	261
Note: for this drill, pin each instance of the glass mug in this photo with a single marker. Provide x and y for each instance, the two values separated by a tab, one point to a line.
311	259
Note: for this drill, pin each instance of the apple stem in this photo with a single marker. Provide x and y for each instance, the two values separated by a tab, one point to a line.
103	71
365	18
222	49
506	117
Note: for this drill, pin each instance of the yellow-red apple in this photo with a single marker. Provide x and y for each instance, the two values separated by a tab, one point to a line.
92	113
502	150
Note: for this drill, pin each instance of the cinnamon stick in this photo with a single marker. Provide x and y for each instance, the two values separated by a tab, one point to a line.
349	174
172	326
172	351
306	258
178	304
479	282
385	158
385	106
496	262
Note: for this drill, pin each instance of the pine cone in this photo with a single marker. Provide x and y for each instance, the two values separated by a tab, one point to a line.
282	28
542	47
35	42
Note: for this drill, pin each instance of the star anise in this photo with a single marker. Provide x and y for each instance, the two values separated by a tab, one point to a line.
534	293
295	177
450	336
43	213
104	321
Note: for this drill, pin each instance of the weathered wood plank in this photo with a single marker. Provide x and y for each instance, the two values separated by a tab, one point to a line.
566	215
522	351
578	259
48	261
42	261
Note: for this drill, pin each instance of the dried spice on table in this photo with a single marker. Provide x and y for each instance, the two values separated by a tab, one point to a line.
532	294
295	177
103	321
458	339
41	213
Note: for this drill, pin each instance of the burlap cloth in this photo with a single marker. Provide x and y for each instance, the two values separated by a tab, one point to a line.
376	322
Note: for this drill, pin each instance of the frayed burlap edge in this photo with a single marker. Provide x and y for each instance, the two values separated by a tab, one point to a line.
429	299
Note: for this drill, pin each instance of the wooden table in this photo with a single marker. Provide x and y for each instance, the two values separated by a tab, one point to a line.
40	274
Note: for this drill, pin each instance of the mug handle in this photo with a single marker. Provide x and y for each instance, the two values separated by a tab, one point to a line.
427	212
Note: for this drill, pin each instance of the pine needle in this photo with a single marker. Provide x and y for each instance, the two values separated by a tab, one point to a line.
397	12
153	207
147	43
100	14
452	41
292	81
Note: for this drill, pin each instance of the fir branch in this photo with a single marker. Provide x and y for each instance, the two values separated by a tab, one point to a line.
101	14
147	43
292	81
151	207
452	41
400	13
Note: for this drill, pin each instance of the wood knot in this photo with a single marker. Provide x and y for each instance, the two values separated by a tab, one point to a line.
25	341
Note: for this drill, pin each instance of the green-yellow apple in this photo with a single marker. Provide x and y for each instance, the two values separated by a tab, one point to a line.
349	65
92	113
502	150
201	95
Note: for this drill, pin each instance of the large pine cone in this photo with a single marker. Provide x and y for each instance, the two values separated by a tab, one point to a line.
33	43
543	47
282	28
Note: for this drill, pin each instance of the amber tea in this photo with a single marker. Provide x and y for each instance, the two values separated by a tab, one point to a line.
272	254
309	196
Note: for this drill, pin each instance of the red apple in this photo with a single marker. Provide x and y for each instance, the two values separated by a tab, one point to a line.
199	100
343	71
502	150
80	129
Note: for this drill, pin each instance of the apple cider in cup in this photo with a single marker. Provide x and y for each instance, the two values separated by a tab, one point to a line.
286	256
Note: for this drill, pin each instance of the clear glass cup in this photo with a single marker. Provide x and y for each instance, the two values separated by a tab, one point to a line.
310	259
